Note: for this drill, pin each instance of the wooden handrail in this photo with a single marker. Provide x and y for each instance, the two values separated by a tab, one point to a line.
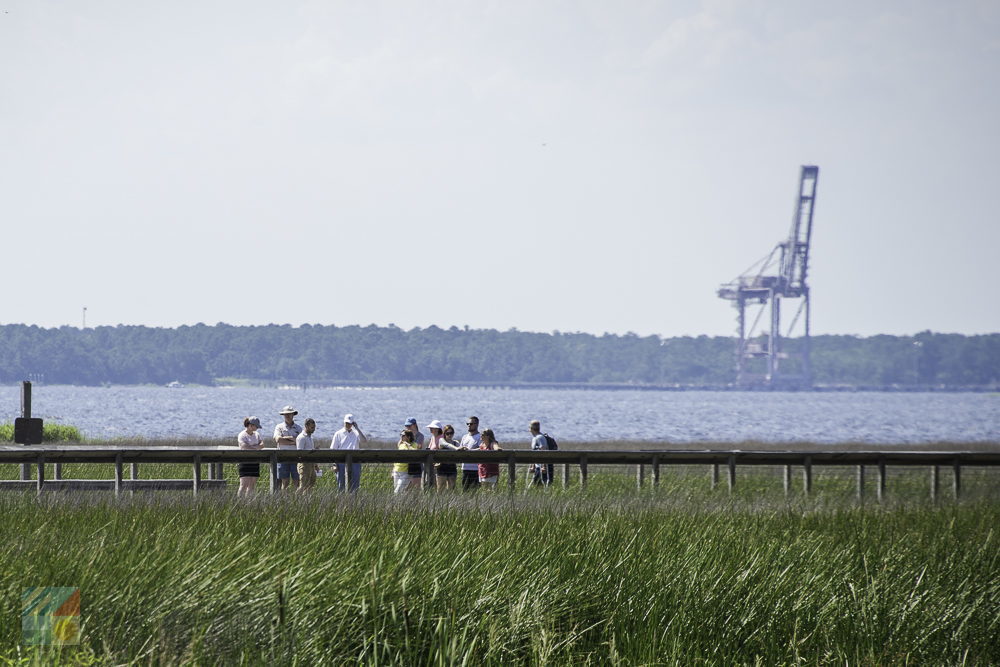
119	454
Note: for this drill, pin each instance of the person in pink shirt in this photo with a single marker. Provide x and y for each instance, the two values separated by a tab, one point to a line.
489	473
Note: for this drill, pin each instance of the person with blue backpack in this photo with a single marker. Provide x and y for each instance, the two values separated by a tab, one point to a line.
541	473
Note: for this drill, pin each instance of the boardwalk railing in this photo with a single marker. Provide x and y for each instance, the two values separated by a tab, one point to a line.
728	460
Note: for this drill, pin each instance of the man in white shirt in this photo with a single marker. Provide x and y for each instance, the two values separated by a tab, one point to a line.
349	437
285	434
471	440
307	471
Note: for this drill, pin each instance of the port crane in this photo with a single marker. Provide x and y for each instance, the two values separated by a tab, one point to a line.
762	359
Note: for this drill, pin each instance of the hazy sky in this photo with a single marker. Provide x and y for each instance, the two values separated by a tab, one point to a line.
581	166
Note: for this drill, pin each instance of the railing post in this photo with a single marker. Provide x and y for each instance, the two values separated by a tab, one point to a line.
273	465
640	476
511	471
861	483
788	479
583	472
881	479
118	475
429	469
197	474
565	475
935	482
348	471
731	477
957	480
41	474
715	475
656	471
57	473
807	475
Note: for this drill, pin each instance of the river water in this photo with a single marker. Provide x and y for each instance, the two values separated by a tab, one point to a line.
569	415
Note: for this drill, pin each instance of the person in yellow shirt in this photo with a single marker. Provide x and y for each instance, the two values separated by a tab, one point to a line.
402	473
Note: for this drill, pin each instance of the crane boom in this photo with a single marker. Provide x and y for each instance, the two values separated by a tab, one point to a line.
795	251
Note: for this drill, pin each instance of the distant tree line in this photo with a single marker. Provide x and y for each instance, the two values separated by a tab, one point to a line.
202	353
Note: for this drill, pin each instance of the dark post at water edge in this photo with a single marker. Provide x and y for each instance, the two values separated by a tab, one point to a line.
26	413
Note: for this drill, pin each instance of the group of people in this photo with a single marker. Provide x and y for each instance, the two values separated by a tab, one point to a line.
302	476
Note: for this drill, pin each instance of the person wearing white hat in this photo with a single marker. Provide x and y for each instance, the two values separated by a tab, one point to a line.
285	434
349	437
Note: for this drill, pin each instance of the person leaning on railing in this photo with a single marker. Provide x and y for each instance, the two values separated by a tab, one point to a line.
444	473
489	473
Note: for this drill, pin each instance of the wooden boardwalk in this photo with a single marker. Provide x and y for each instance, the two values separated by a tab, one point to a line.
651	460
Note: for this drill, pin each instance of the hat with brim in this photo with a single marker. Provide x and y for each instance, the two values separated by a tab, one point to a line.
289	410
435	424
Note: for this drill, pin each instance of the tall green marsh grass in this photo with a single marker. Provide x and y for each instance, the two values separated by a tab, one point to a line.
557	577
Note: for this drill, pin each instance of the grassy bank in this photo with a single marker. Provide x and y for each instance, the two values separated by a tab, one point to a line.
593	577
51	432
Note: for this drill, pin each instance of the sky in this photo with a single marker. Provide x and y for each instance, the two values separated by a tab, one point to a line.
543	165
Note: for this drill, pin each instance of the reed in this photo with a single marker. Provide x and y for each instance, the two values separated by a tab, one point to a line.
680	576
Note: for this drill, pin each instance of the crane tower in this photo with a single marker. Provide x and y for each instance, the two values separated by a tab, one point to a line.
762	358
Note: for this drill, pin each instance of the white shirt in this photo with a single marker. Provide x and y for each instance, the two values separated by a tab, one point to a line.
471	442
344	439
304	441
248	441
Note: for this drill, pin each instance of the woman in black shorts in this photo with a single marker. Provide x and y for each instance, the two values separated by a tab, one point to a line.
249	438
445	472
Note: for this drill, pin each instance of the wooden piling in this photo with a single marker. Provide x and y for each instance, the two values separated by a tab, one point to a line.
715	475
565	475
957	479
41	474
656	471
196	486
118	475
935	482
861	483
511	471
273	465
583	472
788	479
640	476
881	480
807	475
731	477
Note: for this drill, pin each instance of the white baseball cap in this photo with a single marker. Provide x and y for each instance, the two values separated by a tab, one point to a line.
349	418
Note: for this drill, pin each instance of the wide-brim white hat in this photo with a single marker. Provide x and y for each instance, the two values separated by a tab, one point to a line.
435	424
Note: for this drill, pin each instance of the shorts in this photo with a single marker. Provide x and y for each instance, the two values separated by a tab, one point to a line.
446	470
249	469
286	470
489	480
402	481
